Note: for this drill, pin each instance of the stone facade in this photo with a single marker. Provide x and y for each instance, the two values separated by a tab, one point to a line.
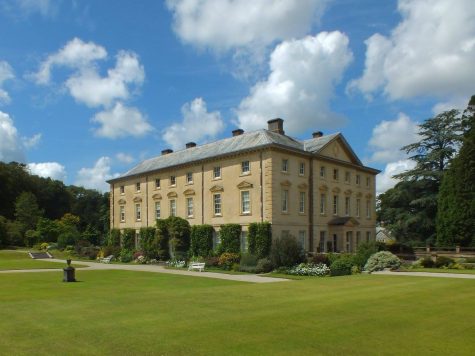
324	197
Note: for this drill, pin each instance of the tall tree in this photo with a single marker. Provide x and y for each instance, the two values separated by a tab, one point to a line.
456	211
441	137
27	211
410	208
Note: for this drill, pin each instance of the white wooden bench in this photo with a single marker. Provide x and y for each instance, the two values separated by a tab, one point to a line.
107	259
200	266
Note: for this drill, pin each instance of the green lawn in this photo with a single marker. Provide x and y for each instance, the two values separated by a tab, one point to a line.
21	260
440	270
133	313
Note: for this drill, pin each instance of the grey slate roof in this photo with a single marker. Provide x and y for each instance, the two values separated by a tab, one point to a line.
246	141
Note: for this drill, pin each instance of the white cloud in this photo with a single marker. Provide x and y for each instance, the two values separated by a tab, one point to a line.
6	73
53	170
198	124
430	53
389	136
303	75
76	54
384	180
85	84
31	142
88	87
124	158
95	177
121	121
11	148
23	8
222	25
459	103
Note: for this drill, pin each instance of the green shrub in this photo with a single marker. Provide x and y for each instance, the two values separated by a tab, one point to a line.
178	235
342	265
128	239
228	259
126	255
89	252
148	242
381	260
31	238
249	260
162	238
264	265
68	237
201	240
248	263
212	261
427	262
111	250
321	258
114	237
260	239
442	261
230	235
286	252
364	251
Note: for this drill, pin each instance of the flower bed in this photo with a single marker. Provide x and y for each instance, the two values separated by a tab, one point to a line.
309	269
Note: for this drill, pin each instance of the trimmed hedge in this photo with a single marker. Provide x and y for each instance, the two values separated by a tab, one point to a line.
148	242
162	238
230	238
260	239
179	236
128	239
201	240
114	238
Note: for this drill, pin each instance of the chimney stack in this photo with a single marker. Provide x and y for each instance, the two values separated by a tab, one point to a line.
237	132
166	151
190	145
317	134
276	125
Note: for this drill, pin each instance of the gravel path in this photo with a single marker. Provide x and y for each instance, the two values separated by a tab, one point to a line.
427	274
252	278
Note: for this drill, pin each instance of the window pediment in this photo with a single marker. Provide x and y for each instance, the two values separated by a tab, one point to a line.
244	185
216	188
303	186
286	183
368	196
348	192
121	201
172	195
157	196
189	192
323	188
359	195
336	190
137	199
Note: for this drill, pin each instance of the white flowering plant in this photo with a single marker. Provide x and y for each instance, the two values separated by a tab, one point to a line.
309	269
176	263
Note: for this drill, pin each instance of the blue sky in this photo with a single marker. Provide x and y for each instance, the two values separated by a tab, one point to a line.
90	88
